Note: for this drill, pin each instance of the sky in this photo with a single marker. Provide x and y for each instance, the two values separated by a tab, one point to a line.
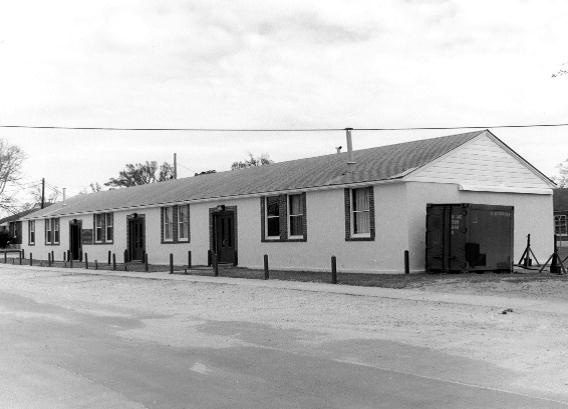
272	64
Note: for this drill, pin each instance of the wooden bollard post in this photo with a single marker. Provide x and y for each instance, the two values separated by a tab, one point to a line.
125	256
215	264
266	274
23	254
189	260
406	262
86	261
81	256
113	261
108	258
333	270
96	265
146	262
171	263
31	258
5	256
49	259
209	258
53	256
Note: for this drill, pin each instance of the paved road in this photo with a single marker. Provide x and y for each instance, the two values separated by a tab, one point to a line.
56	355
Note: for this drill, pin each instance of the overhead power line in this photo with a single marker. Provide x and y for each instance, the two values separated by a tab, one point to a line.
412	128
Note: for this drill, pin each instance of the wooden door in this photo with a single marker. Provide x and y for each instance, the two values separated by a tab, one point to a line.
136	245
225	237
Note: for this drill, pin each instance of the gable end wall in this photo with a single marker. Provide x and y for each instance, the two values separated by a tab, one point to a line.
480	163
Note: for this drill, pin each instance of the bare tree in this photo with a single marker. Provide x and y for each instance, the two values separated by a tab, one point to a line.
562	178
95	187
11	159
252	161
141	174
51	196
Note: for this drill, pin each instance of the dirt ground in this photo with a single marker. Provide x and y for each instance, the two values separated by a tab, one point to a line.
529	343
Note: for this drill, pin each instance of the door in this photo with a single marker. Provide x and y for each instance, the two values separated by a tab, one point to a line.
75	239
224	239
136	246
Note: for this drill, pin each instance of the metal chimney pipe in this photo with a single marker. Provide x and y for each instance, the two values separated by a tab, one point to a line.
349	146
338	148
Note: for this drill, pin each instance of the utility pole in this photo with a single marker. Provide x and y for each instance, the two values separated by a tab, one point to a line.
42	193
175	166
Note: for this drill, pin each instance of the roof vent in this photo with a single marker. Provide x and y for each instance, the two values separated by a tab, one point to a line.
350	160
338	149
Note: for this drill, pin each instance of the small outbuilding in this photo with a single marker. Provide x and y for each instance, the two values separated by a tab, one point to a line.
366	207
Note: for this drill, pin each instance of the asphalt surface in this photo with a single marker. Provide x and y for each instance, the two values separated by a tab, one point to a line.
54	355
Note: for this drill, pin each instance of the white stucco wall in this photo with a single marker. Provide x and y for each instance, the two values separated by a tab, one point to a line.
400	218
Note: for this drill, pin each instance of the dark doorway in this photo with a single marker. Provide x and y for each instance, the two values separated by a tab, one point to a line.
224	236
136	245
75	239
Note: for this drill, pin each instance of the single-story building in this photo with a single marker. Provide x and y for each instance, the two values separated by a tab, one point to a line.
13	225
366	207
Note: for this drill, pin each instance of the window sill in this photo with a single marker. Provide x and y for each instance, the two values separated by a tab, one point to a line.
360	237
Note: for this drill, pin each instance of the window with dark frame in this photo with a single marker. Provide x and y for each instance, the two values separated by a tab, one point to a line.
55	229
175	224
104	227
361	211
109	227
183	222
272	217
51	231
296	215
283	218
168	224
31	232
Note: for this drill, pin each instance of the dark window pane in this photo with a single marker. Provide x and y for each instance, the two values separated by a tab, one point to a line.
273	226
272	208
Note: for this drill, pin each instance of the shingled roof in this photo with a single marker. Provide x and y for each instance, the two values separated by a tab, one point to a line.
373	164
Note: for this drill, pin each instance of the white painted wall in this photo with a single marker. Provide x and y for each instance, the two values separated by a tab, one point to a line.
400	212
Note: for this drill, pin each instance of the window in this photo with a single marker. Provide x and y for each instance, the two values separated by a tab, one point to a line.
168	224
361	211
296	206
560	226
55	229
103	227
48	232
175	224
109	226
359	214
31	232
183	222
273	216
283	218
51	231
